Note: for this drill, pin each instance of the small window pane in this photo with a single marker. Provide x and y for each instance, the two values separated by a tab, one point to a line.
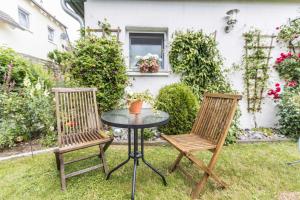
143	43
23	18
50	34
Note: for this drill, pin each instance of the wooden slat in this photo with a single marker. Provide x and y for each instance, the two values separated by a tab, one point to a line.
67	90
84	145
189	142
82	158
77	117
83	171
225	96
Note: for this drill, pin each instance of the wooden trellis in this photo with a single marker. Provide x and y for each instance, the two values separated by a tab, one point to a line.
256	60
117	31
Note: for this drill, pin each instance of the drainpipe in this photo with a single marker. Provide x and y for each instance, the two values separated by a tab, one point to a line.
63	4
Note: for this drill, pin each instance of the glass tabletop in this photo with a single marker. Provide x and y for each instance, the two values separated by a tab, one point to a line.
123	119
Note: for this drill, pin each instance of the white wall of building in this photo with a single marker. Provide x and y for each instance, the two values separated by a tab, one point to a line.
209	16
33	41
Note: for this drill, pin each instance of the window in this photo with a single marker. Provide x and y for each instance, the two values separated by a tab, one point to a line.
23	18
143	43
50	34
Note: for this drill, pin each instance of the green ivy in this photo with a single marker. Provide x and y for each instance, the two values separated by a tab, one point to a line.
195	56
289	32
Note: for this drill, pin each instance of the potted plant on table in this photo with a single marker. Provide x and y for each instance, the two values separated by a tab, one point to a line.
149	63
135	100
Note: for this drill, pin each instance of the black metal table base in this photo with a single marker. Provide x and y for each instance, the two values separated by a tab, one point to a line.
136	155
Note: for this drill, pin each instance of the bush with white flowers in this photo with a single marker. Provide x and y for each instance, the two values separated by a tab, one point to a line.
26	114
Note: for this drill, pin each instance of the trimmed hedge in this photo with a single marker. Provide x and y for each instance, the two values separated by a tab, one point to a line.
179	101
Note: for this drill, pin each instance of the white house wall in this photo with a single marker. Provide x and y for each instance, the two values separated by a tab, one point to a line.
34	41
209	16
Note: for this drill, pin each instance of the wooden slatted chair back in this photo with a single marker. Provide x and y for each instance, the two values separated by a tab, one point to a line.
214	117
76	111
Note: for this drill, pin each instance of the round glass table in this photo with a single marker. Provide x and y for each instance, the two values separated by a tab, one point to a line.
146	119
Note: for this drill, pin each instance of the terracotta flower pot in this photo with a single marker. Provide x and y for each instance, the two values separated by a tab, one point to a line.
135	107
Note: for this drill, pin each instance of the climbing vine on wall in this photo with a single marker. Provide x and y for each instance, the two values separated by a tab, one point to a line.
256	59
195	57
289	34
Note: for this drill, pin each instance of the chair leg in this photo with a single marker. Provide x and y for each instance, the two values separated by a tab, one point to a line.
62	172
208	173
57	160
176	163
199	186
103	160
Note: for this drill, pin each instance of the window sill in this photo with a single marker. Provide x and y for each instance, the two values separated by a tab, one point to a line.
156	74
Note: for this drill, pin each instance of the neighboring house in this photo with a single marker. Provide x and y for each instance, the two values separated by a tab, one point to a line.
30	29
147	27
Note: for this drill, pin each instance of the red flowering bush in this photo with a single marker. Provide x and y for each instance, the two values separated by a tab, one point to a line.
275	93
292	84
288	66
282	57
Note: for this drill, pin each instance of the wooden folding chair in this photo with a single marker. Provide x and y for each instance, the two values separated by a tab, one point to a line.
208	133
78	127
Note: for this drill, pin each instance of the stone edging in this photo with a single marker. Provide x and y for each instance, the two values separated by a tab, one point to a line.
26	154
147	143
260	141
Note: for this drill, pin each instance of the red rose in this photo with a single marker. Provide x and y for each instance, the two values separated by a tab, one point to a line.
278	89
270	92
292	84
276	96
277	85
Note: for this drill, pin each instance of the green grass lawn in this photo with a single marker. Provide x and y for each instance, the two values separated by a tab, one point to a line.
253	171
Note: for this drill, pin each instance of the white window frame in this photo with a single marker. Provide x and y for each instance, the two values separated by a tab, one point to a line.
159	30
53	31
27	14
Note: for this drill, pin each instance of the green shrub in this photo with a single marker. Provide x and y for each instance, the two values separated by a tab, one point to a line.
26	114
148	133
61	58
179	101
21	68
289	112
98	62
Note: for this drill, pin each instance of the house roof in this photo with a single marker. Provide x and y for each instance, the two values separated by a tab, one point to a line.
4	17
77	6
47	13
